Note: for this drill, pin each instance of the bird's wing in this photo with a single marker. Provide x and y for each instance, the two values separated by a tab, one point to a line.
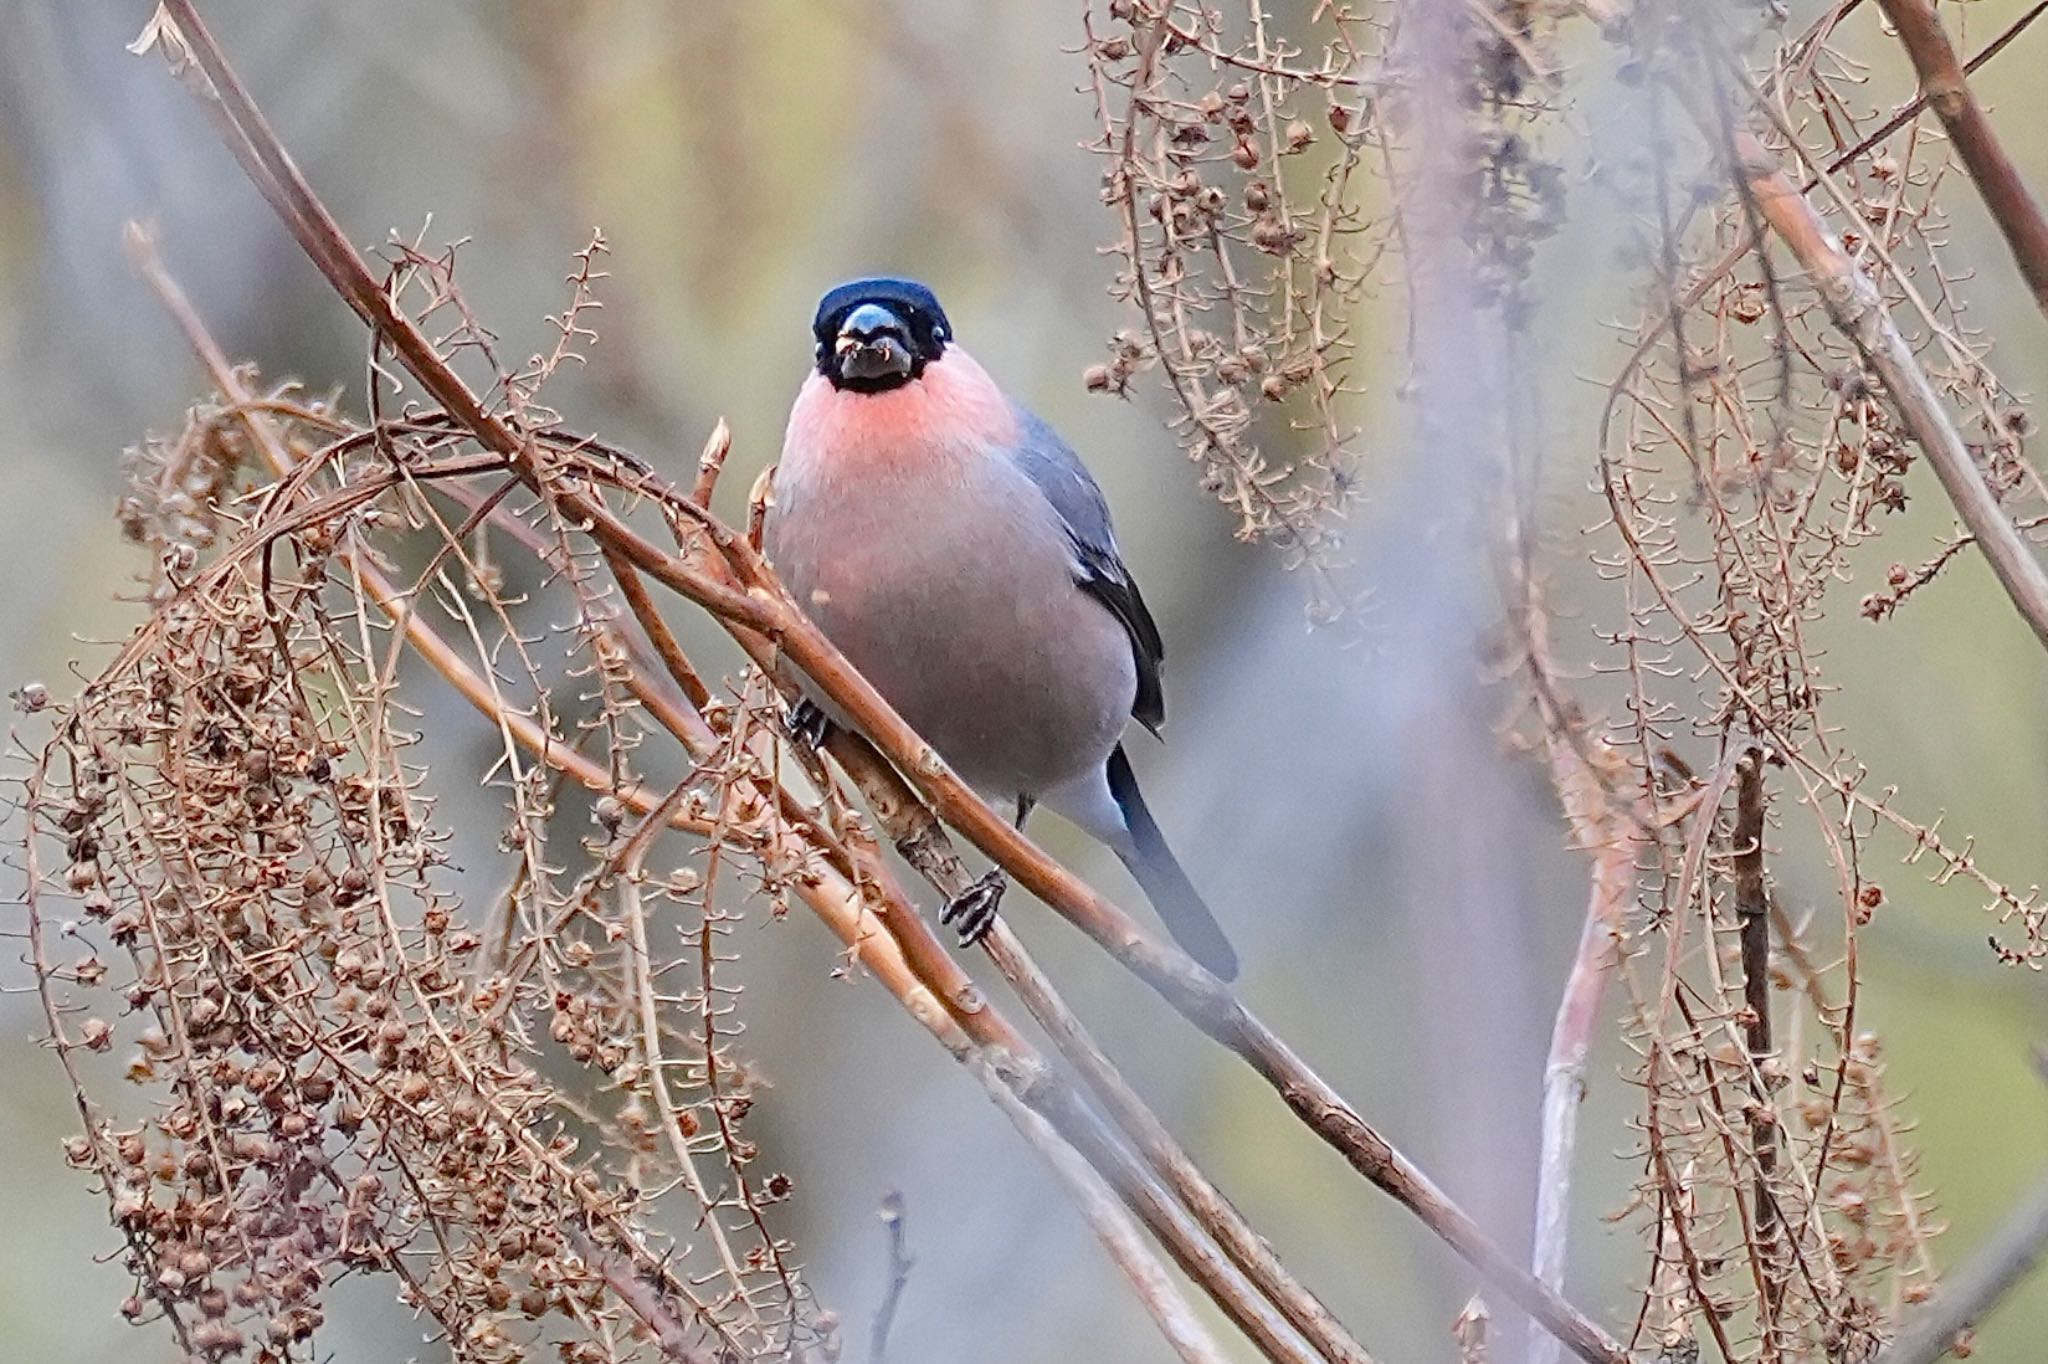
1099	569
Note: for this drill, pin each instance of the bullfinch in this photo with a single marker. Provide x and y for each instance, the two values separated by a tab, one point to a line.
961	557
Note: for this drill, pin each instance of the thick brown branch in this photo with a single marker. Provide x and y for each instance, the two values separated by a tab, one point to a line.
1942	80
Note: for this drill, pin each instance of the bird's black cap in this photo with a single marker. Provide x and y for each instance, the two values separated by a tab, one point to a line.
898	312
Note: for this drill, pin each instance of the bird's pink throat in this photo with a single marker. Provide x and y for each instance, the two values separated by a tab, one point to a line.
952	409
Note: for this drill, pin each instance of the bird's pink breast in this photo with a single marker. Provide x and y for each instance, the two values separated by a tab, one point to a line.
953	411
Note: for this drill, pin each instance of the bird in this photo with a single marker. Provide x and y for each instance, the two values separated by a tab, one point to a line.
961	556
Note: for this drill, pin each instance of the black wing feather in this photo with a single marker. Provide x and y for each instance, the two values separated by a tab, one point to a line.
1067	485
1116	591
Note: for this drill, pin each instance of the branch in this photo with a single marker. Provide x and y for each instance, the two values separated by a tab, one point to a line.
924	845
2005	192
1753	915
1253	1272
1858	312
1198	996
910	962
1564	1074
1211	1210
1176	1320
1919	102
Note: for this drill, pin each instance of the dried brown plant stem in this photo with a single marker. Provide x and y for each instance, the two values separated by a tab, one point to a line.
1942	80
765	609
1753	917
1613	828
1111	1225
839	904
1242	1289
1008	1079
924	845
1211	1210
1919	102
1011	1077
927	962
443	657
1564	1071
1198	996
998	1044
1858	311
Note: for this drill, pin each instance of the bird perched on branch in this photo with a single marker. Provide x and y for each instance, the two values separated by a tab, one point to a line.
960	555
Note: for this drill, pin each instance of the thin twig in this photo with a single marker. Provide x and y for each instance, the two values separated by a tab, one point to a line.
900	1265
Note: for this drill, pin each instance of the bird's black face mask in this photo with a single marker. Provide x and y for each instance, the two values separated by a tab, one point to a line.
874	335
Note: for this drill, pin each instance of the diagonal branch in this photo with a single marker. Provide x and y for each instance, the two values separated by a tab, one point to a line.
909	961
1943	82
1859	313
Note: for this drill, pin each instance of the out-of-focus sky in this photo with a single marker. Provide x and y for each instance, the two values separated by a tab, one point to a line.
741	158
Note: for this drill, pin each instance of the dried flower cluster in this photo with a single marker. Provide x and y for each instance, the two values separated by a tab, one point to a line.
530	1114
1234	175
1751	453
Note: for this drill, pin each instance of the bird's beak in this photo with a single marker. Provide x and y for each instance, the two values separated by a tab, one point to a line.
881	356
873	345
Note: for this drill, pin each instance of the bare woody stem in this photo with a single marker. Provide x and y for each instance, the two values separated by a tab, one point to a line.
1245	1247
1947	89
1238	1295
1187	1335
1753	917
1564	1072
924	845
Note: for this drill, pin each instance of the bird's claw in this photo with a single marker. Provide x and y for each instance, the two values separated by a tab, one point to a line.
974	908
807	724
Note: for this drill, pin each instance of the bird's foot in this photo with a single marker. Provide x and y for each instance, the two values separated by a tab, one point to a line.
807	724
974	908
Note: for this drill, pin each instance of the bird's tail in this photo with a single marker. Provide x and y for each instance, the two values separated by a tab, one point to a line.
1179	904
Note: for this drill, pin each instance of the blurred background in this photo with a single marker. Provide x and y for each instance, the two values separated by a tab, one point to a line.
1400	891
